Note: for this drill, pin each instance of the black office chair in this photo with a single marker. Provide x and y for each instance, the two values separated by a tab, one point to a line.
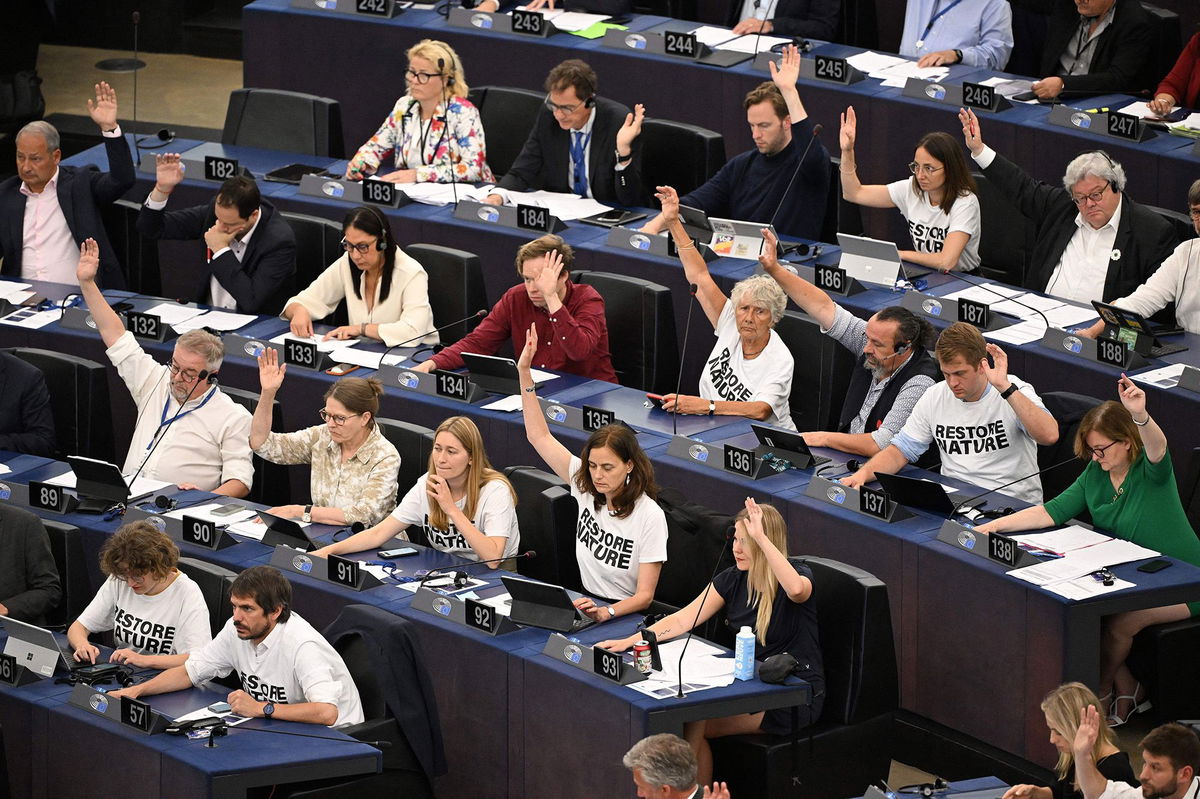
279	120
138	256
318	244
641	329
1068	410
66	545
679	155
79	401
507	115
1006	235
547	516
383	655
1167	36
849	747
271	485
1180	222
214	582
821	373
455	287
858	26
414	443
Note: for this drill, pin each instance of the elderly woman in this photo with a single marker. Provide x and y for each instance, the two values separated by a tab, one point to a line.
1129	489
386	291
749	372
433	131
354	468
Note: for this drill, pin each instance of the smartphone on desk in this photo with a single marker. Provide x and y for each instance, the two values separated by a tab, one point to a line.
657	399
400	552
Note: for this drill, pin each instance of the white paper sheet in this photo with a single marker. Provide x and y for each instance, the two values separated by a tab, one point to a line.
1062	541
143	486
567	207
1083	561
1022	333
571	21
986	292
31	319
1163	377
1087	586
437	193
251	528
322	346
504	404
9	287
752	44
171	313
712	36
205	512
217	320
1139	109
869	61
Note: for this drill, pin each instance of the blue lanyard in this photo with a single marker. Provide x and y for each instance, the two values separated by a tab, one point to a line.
938	15
164	421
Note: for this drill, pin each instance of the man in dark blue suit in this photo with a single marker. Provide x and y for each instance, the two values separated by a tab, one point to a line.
26	422
251	249
48	210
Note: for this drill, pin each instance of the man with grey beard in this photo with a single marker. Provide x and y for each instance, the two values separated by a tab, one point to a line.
896	368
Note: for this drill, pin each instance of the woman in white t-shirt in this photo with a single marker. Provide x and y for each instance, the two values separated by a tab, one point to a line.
939	202
749	372
157	614
465	506
621	532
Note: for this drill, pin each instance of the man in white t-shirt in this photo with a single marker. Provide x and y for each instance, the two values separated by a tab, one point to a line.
288	671
203	436
986	423
1170	763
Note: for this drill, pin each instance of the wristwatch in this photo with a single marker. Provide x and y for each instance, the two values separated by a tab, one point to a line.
958	55
712	407
268	710
307	517
612	614
1008	392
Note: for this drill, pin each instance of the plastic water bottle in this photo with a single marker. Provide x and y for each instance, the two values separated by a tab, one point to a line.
743	655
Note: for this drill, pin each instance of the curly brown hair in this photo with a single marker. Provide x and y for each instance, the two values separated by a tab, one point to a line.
137	549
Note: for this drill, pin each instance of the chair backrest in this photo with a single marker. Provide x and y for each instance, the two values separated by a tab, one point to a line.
214	582
507	115
1166	34
547	515
1180	222
79	401
270	479
455	286
414	443
66	545
857	26
1068	409
855	621
279	120
680	155
641	329
318	244
1188	477
138	256
821	374
1006	236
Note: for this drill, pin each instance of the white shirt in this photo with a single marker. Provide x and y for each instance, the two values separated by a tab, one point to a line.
1123	790
1168	284
611	550
929	225
48	250
756	9
1081	47
495	515
728	375
1081	272
172	622
405	313
207	446
293	664
981	442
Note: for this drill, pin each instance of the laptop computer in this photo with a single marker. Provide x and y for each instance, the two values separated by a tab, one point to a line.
734	238
285	531
35	648
1124	324
493	373
544	605
917	493
787	442
869	260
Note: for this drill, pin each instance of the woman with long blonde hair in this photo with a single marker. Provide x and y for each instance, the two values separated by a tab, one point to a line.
771	595
465	507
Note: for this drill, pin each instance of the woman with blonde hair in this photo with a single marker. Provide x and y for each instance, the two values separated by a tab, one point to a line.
1062	707
465	506
771	595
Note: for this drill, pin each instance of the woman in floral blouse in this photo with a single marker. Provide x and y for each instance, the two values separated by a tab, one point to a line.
425	151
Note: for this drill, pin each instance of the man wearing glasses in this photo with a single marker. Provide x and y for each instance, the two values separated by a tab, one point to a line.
1092	242
250	252
581	143
208	443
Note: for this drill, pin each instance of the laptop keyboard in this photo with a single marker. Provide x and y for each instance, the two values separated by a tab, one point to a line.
1159	350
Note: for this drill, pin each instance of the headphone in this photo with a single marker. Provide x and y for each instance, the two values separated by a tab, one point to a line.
1113	165
938	785
382	242
589	102
163	502
441	62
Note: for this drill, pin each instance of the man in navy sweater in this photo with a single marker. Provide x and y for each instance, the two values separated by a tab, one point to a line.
751	186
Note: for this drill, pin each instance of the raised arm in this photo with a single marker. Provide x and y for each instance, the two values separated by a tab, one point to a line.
270	378
1134	400
1087	776
784	77
872	196
556	456
1038	422
811	299
795	585
107	322
695	269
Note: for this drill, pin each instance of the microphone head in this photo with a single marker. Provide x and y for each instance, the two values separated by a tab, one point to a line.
530	554
817	128
482	312
693	288
137	17
200	378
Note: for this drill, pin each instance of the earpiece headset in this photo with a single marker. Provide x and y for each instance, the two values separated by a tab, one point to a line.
450	80
1113	165
382	242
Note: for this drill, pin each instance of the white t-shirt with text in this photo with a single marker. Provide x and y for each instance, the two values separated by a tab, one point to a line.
727	375
929	225
172	622
495	515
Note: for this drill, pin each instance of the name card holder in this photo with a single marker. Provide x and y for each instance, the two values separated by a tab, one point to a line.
946	310
244	347
14	493
627	238
599	662
576	418
14	674
173	528
381	9
474	19
422	383
289	559
79	319
834	280
1103	351
148	327
673	44
467	613
715	456
1190	379
503	216
834	493
1110	126
349	191
983	98
209	161
968	540
305	355
137	715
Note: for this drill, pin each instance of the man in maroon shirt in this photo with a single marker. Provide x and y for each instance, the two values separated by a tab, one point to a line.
572	331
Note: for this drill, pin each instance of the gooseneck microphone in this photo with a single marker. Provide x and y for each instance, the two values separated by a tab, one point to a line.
959	276
200	378
958	509
219	729
137	18
695	621
762	23
816	129
529	553
687	327
477	315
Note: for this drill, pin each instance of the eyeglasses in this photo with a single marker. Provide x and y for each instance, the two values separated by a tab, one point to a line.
190	375
361	249
555	108
335	418
1099	451
1194	213
421	78
1094	197
928	169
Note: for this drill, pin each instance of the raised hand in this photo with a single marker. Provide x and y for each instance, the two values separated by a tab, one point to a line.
754	519
849	129
270	370
972	135
770	251
89	261
669	199
788	72
997	373
1086	733
168	172
103	110
1133	398
528	350
631	129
